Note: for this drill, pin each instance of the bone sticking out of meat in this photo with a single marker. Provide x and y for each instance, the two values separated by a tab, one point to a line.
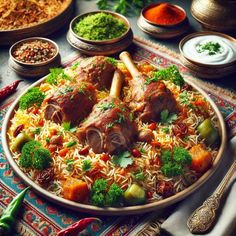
110	127
97	70
68	104
147	99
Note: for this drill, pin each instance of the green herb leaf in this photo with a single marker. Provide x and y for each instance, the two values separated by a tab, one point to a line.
170	73
71	144
37	130
167	118
106	106
211	48
139	175
70	164
66	126
123	159
86	166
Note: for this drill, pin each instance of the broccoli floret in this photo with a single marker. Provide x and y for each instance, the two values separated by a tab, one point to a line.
41	159
102	195
98	199
100	185
33	96
182	156
171	169
33	155
114	195
28	152
166	156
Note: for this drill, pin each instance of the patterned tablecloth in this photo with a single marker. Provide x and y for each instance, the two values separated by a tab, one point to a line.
40	217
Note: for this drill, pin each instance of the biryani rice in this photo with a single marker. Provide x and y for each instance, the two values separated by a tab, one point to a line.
107	170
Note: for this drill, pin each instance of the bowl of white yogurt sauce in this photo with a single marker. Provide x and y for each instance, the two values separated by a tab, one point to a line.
209	54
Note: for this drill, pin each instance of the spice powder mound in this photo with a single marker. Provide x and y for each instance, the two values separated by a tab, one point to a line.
165	14
33	52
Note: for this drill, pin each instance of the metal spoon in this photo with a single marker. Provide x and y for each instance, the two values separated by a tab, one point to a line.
203	217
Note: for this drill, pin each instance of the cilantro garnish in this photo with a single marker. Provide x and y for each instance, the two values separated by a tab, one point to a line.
170	73
106	106
55	75
123	159
167	118
212	48
86	166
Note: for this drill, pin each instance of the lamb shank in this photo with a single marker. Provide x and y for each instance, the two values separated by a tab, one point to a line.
147	100
97	70
68	105
110	127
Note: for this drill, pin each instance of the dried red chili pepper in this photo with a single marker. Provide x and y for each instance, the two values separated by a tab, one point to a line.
77	227
9	89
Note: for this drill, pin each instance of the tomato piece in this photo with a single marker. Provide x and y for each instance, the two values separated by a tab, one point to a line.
63	152
155	144
136	153
84	151
152	126
105	157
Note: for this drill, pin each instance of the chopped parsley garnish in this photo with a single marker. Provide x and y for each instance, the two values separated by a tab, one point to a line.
55	75
142	150
75	65
68	89
37	130
167	118
106	106
123	159
174	162
139	175
171	73
120	119
112	60
71	144
70	164
86	166
81	88
48	140
166	130
67	127
185	99
210	47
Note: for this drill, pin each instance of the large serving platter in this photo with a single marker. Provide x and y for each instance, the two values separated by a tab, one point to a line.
111	210
8	37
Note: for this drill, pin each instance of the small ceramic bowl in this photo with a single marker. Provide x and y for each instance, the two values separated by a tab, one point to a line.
204	70
162	31
100	47
34	69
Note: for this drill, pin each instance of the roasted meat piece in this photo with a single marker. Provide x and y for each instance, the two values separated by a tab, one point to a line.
71	103
110	127
147	100
97	70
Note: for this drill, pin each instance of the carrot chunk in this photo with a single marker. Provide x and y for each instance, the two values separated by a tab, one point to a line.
75	190
201	158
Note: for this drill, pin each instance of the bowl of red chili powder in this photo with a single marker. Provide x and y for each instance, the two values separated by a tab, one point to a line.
163	20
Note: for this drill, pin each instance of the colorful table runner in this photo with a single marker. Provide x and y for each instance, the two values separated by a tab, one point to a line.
40	217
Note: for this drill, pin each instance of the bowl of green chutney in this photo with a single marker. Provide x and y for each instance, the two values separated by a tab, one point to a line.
100	33
100	27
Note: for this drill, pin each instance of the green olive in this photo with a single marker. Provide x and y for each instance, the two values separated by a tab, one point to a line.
208	132
20	140
135	195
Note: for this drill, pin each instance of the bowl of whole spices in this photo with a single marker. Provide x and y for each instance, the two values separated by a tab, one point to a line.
34	56
100	33
163	20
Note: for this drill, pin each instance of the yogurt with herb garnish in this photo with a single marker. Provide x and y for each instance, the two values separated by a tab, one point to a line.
210	49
